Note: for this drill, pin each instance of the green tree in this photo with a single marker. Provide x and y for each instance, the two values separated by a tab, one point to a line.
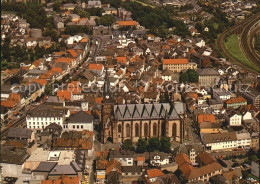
106	20
189	76
165	144
127	145
184	77
153	144
141	145
95	11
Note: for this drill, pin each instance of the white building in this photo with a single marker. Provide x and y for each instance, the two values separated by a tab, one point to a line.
243	140
219	141
125	158
79	121
234	119
221	94
227	141
41	116
158	159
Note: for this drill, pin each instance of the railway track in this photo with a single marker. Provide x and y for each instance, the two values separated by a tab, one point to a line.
246	41
243	26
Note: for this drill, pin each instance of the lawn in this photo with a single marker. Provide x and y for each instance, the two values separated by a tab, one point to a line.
232	45
144	4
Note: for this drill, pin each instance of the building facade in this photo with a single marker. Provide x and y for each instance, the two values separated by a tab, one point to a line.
178	65
134	121
208	76
41	116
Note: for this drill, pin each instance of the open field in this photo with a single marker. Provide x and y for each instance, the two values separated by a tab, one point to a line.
232	45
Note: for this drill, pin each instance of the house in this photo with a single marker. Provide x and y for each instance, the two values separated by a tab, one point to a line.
129	23
15	133
153	174
191	150
94	4
126	158
159	158
79	121
208	76
234	118
96	68
235	102
208	167
250	94
243	140
40	117
110	11
12	160
178	65
218	141
131	171
167	75
221	94
69	6
233	176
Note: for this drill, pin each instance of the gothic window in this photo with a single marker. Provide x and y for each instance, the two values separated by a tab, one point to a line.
127	130
154	129
119	128
136	130
146	129
174	131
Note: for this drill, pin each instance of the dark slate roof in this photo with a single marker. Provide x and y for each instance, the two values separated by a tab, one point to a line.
45	166
207	71
23	133
46	111
121	154
80	117
63	169
145	111
131	169
13	155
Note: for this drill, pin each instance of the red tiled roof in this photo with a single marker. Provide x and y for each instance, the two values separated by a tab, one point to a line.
42	82
67	60
55	69
64	94
206	118
95	66
127	23
98	100
175	61
8	103
121	60
72	53
152	173
238	99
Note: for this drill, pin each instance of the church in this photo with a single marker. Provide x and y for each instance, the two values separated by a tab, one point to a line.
134	121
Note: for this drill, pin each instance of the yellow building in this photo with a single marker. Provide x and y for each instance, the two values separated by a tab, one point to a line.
177	65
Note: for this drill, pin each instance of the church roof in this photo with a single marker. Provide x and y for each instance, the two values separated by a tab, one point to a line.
145	111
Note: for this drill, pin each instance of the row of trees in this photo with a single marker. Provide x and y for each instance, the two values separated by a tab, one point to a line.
153	144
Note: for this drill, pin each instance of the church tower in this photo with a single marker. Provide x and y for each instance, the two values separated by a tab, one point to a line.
107	112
